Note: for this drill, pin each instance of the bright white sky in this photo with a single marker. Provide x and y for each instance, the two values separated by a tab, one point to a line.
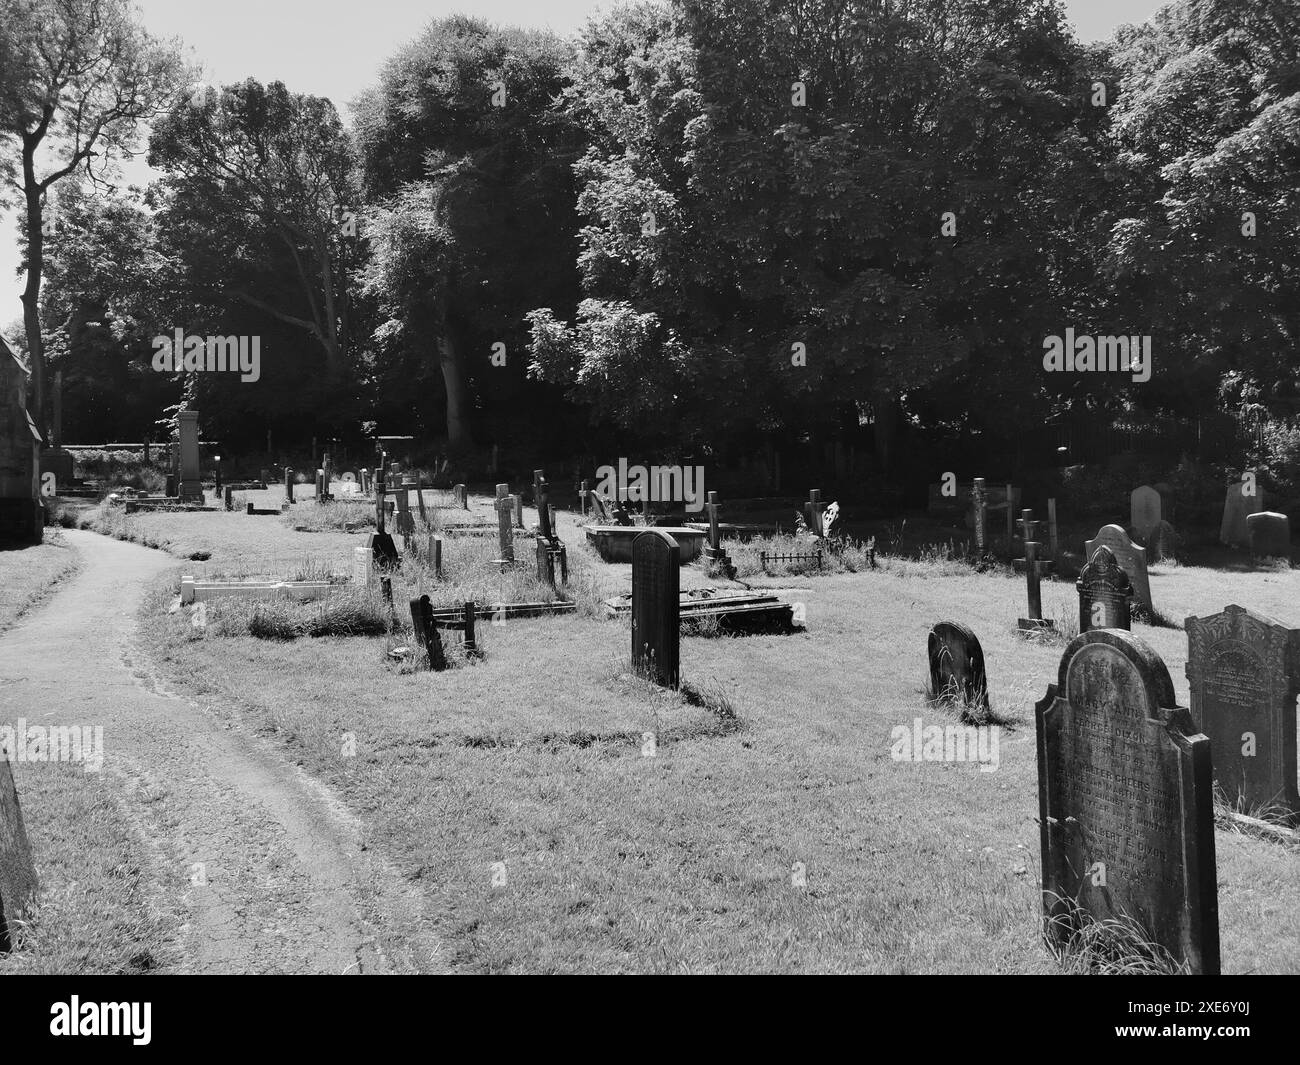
334	48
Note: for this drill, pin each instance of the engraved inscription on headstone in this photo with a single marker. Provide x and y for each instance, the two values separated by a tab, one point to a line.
1104	593
1244	672
1126	801
1131	558
656	611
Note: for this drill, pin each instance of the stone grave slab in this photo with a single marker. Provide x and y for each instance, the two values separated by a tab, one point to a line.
1244	673
1126	808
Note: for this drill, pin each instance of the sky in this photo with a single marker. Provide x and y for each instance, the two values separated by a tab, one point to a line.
334	48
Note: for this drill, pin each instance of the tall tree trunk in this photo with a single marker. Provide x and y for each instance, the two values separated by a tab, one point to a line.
454	379
31	296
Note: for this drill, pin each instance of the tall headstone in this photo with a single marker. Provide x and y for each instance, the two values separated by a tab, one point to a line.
980	517
22	518
957	667
1241	499
1244	673
1144	510
190	486
288	484
1104	593
17	871
1269	534
1131	558
656	608
505	535
1126	803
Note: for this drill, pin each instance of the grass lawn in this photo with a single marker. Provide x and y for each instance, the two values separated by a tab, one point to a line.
520	794
29	574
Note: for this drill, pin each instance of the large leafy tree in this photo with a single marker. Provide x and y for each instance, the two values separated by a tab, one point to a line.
467	165
260	199
77	79
766	174
1209	248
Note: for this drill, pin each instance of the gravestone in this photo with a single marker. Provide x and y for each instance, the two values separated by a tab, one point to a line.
980	517
656	619
288	485
1244	672
1240	500
362	557
17	871
1269	534
1104	593
1163	543
1144	510
1132	559
505	535
461	496
382	547
1126	804
1035	569
190	485
957	667
518	501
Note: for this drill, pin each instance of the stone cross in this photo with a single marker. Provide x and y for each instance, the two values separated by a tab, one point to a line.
1034	570
543	506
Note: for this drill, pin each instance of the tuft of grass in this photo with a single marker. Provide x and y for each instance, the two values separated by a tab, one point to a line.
1113	946
341	515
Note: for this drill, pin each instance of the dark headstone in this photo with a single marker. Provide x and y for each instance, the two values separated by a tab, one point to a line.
1144	510
1104	593
17	872
1125	796
656	623
1241	499
1163	542
1131	558
957	667
1270	534
1244	672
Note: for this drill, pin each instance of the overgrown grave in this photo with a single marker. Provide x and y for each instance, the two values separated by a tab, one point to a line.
957	675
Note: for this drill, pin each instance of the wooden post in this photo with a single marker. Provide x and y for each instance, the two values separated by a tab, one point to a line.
437	557
426	632
979	505
471	648
519	510
288	484
1051	529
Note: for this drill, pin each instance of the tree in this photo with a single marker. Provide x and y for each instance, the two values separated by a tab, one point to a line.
466	164
77	79
261	183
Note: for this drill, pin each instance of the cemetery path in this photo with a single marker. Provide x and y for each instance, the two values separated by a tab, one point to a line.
265	868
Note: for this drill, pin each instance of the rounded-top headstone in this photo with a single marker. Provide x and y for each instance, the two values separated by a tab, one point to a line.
1270	534
957	674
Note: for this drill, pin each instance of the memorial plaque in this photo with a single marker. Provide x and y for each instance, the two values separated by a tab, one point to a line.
1132	559
656	618
957	666
1104	593
1243	669
1144	510
17	871
1125	796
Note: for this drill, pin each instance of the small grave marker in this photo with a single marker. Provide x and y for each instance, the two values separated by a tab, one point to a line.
957	674
1269	534
1126	808
288	484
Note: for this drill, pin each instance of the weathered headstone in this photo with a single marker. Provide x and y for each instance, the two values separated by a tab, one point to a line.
288	485
1104	593
1144	510
1126	805
461	496
1162	543
1241	499
505	535
190	485
381	544
957	668
656	620
1244	672
17	871
362	558
1131	558
980	517
1270	534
